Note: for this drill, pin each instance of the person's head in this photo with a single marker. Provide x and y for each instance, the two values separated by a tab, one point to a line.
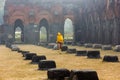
58	33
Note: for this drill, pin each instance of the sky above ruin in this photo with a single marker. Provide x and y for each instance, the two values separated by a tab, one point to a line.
1	3
1	10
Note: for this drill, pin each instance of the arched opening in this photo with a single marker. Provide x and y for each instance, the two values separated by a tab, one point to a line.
18	31
68	30
43	30
18	34
43	34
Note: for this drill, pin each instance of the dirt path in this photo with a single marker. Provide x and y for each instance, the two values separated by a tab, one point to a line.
14	67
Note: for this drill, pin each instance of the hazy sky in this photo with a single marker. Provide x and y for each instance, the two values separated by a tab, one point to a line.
1	4
1	10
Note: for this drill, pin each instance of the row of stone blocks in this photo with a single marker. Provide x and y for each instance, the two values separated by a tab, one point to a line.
103	47
59	74
65	74
97	46
62	74
89	54
46	64
96	54
43	64
89	45
13	47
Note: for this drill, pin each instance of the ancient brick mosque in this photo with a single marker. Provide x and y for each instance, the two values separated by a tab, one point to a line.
94	21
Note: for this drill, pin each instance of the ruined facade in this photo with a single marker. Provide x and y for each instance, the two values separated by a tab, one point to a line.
94	21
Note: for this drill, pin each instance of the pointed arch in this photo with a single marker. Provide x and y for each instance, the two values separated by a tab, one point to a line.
43	30
18	31
68	29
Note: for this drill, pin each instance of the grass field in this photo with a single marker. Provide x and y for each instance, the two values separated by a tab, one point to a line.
14	67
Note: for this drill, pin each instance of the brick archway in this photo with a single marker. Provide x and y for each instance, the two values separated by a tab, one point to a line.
19	24
44	23
81	12
68	30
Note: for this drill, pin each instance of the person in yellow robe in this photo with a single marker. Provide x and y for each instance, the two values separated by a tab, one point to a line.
60	40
